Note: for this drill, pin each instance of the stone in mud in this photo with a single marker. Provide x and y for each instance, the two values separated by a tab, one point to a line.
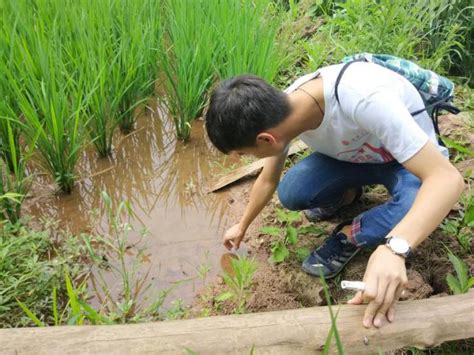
417	288
306	288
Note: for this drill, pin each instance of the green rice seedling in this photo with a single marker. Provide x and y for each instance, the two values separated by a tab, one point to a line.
186	61
14	181
238	282
9	111
137	26
246	32
51	102
115	49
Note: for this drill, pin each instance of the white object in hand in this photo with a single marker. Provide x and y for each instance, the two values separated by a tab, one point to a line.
353	285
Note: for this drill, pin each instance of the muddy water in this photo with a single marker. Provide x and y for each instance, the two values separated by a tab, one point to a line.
165	182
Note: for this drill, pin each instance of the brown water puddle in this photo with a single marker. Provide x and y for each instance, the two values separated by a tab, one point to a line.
165	182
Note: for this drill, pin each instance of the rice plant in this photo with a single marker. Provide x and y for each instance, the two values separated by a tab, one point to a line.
51	103
14	182
247	37
186	61
9	111
115	48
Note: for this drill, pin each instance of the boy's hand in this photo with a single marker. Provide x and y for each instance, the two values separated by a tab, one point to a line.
385	279
233	237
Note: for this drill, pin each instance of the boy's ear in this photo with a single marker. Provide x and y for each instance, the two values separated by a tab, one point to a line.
266	137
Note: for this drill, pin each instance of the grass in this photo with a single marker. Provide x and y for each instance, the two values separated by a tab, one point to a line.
403	28
28	272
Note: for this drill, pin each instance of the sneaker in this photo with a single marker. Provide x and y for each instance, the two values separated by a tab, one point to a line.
321	213
330	258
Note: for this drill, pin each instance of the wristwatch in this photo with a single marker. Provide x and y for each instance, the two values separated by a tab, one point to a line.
399	246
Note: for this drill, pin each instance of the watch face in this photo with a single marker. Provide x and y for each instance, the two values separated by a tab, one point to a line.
399	245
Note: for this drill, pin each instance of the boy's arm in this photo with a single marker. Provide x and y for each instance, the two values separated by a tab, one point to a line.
262	191
385	277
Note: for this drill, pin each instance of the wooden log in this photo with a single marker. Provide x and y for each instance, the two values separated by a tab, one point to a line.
250	169
423	323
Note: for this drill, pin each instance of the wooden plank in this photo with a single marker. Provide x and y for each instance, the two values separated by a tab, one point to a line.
252	168
423	323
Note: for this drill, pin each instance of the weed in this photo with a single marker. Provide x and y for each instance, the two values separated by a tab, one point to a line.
29	273
125	307
462	226
238	282
462	282
287	234
177	310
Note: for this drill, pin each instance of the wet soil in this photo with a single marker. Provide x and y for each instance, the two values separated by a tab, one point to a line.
285	286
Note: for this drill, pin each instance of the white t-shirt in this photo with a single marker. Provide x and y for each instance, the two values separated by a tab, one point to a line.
372	123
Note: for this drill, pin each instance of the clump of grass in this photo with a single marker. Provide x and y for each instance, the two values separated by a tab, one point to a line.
205	39
29	272
402	28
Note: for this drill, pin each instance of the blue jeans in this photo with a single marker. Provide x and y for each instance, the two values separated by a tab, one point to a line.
320	181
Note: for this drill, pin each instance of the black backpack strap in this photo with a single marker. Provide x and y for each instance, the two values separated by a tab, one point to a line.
443	104
339	77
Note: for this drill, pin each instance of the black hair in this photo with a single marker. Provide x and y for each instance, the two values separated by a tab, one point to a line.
242	107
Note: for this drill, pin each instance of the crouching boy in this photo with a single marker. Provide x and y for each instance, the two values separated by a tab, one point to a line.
366	135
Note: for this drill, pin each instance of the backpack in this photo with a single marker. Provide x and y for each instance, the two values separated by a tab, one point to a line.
435	90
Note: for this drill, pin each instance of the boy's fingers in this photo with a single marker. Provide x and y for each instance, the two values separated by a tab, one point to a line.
376	299
227	244
386	304
357	299
391	313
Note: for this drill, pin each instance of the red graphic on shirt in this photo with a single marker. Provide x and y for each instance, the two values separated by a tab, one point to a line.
359	155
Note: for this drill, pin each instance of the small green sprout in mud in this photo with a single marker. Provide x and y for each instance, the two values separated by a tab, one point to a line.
238	281
462	282
286	235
